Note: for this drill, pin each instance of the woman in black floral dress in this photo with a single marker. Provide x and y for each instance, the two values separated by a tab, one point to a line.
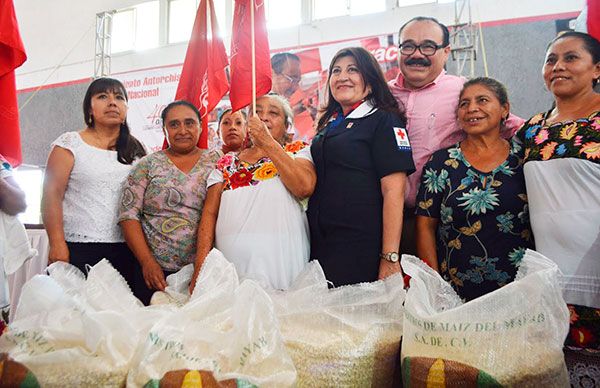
472	213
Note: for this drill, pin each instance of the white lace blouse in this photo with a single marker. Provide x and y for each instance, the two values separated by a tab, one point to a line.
90	206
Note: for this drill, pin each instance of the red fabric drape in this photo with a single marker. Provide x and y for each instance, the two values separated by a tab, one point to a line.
203	79
12	55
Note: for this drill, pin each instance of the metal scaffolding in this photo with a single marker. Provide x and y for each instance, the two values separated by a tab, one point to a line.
103	34
464	39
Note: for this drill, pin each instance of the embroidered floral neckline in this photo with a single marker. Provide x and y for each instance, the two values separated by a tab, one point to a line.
544	116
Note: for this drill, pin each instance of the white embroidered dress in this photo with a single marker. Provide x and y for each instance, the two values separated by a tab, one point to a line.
261	228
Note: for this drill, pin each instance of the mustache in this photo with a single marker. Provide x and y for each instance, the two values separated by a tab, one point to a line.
418	61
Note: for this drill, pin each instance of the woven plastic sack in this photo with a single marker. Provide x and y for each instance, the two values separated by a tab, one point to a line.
347	336
14	374
186	378
511	337
177	290
227	329
15	247
73	332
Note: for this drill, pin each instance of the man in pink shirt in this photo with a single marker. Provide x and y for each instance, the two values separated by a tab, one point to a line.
429	97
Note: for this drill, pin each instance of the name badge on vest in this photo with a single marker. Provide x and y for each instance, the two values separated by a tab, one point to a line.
401	139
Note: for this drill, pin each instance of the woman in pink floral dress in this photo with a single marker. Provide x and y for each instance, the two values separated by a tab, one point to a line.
162	201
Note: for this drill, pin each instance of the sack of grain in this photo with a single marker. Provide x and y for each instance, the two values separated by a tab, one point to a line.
186	378
74	332
511	337
177	290
347	336
15	374
227	328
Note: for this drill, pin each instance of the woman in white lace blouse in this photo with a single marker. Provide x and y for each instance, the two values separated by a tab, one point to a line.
83	180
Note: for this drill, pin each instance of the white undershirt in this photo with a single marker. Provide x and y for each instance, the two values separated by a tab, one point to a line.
564	203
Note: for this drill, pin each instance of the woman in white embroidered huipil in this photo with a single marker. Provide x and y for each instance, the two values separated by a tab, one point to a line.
252	211
562	174
83	180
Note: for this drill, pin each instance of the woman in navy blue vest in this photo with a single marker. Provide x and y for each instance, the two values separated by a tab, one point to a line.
362	156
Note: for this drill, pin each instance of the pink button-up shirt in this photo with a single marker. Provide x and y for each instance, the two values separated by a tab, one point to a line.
431	121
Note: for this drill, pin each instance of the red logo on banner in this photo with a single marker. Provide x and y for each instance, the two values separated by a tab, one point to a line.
204	94
154	117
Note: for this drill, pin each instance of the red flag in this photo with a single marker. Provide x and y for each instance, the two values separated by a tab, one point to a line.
12	55
310	60
241	53
203	80
593	18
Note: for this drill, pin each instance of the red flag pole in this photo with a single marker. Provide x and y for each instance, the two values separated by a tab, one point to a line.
253	58
249	39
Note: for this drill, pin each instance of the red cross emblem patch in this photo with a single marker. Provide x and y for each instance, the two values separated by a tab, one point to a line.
401	138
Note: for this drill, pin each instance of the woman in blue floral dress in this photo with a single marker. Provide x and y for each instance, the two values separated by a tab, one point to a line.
472	213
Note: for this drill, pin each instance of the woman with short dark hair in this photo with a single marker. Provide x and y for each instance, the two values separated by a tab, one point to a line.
163	198
472	224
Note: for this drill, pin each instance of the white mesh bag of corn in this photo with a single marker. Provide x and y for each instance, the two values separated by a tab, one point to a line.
511	337
342	337
226	328
70	331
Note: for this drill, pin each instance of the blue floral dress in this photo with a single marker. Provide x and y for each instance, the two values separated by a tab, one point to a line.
483	228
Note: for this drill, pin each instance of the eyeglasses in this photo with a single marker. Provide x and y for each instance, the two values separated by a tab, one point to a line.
427	48
293	80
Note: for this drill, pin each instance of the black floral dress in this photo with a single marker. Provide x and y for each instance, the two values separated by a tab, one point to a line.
483	228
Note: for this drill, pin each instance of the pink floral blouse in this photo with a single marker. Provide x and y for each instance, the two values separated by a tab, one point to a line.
168	204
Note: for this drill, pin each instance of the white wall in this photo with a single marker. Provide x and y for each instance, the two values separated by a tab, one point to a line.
59	35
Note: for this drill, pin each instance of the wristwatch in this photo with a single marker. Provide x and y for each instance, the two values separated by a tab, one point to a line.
392	257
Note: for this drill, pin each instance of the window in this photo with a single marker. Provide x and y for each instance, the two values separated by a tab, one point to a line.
404	3
331	8
122	36
135	28
181	19
30	181
220	11
282	14
363	7
182	14
146	26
